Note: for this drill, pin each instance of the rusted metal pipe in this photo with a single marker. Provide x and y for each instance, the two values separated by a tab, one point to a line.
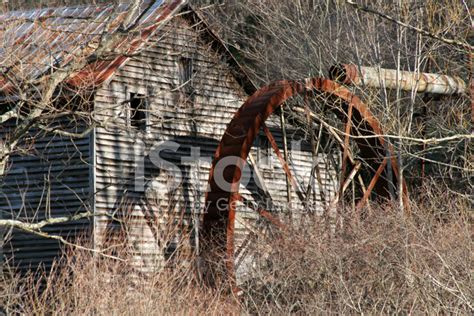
405	80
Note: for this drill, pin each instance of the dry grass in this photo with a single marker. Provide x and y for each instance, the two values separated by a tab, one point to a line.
85	285
386	263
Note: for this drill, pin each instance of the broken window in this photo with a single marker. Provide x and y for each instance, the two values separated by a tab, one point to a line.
264	152
138	111
186	75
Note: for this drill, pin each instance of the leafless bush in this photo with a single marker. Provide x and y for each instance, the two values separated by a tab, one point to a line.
386	263
82	283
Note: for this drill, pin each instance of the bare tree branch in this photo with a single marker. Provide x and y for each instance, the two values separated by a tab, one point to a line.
411	27
35	228
51	221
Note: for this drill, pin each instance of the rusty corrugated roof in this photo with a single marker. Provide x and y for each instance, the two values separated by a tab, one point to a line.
34	43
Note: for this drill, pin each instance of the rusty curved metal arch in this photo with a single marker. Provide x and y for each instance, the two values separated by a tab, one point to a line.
239	137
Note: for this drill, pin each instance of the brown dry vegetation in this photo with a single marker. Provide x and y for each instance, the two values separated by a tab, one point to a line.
385	263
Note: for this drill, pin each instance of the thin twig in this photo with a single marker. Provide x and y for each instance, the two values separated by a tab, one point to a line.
411	27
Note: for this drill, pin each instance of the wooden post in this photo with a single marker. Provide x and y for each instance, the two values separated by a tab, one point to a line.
285	153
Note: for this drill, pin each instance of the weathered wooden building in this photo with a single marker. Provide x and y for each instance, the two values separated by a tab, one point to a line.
175	83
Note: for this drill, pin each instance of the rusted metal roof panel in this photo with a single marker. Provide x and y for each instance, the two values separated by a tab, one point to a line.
37	42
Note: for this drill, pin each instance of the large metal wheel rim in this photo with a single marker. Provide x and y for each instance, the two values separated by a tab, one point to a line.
239	138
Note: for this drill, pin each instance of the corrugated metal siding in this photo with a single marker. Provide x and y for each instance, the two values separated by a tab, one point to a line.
200	123
52	179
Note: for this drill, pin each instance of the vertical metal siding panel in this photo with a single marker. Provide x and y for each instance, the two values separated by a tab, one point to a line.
57	168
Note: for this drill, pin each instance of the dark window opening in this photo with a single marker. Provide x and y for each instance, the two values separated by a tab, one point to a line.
186	74
138	111
264	152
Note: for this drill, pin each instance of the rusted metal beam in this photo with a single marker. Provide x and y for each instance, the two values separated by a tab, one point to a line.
262	212
268	216
344	185
393	79
284	163
372	183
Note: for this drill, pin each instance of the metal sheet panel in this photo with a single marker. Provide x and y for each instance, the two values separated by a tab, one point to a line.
37	42
50	180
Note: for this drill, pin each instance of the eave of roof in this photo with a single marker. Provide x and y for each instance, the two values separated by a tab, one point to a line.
218	45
